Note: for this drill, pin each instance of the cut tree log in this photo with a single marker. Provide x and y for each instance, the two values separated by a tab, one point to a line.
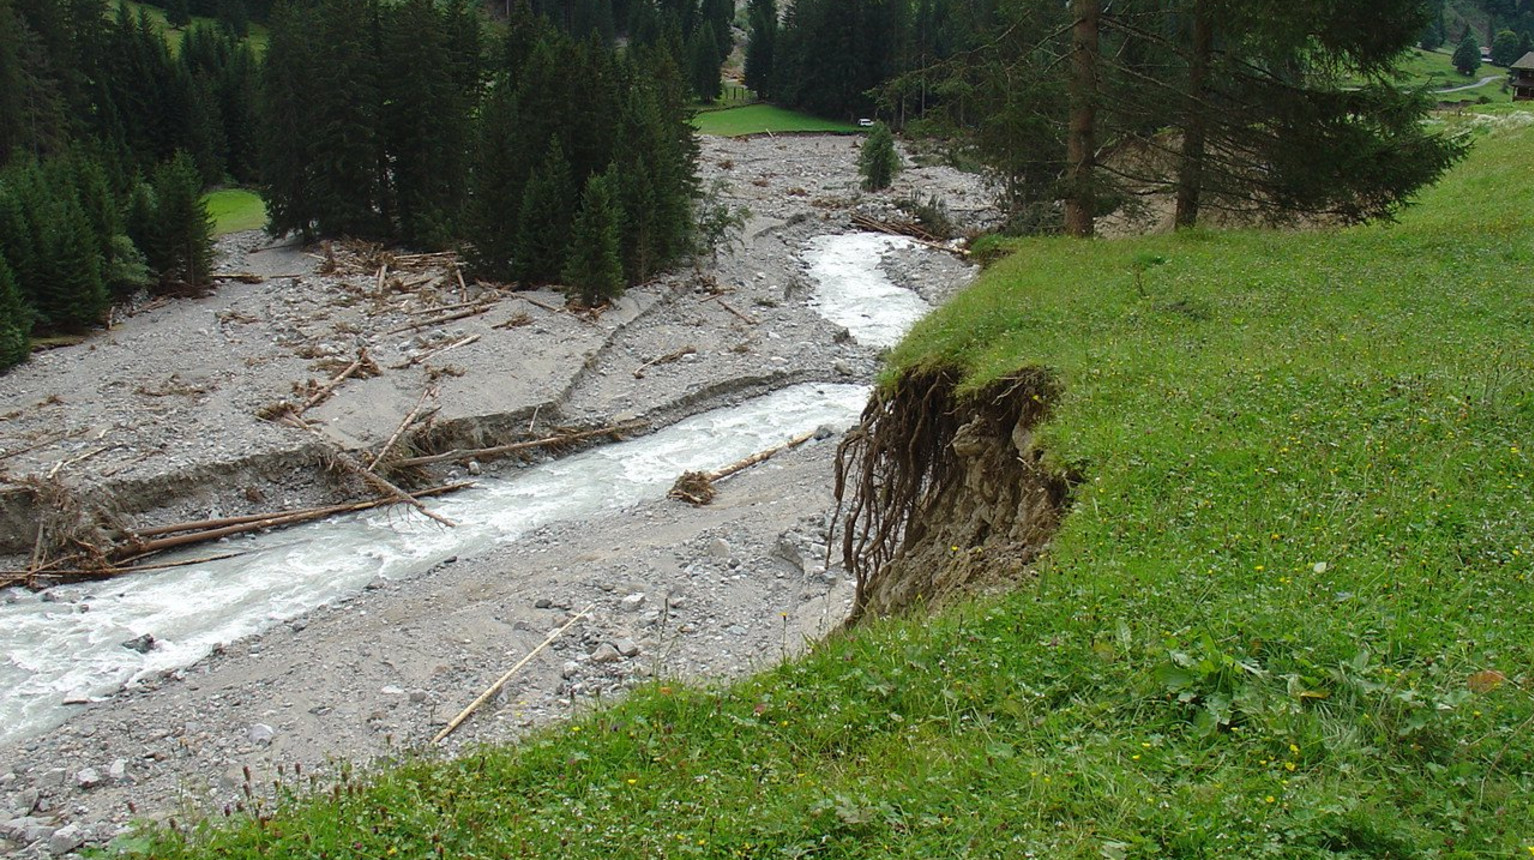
697	488
484	453
242	277
909	231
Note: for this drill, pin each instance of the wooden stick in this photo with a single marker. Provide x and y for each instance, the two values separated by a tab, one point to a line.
80	459
532	301
403	425
463	289
242	277
488	694
5	455
460	454
437	309
383	270
762	456
668	357
327	388
719	297
445	318
433	353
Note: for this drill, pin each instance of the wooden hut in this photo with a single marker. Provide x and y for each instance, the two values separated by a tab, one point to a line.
1521	76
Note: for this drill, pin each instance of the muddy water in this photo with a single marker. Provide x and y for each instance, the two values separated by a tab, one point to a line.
66	645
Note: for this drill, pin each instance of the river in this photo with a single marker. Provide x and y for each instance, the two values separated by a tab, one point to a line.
67	644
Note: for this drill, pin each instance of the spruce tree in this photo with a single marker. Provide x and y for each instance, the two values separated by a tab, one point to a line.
178	13
71	294
762	18
548	204
182	232
703	64
594	273
495	186
15	321
287	160
878	162
1467	57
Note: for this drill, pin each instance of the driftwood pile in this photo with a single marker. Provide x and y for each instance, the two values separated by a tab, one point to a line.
908	229
697	488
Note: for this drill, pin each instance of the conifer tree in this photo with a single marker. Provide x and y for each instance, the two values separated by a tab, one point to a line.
762	18
594	273
1467	57
71	293
543	239
15	321
703	64
178	13
286	114
495	185
878	162
182	243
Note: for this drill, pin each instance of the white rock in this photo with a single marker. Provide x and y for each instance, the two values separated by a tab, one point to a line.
260	733
88	777
66	839
632	602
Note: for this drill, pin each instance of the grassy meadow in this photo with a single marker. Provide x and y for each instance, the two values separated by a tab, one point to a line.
765	119
1288	616
235	209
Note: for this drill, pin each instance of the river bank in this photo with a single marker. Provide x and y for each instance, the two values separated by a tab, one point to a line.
678	592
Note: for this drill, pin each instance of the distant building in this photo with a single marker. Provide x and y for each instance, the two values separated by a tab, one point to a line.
1521	78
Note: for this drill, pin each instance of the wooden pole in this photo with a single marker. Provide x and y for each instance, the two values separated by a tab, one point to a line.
488	694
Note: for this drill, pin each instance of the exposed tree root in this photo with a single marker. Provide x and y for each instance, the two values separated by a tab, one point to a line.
940	492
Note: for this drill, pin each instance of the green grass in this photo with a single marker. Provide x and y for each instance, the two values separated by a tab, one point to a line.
257	35
1302	542
1435	70
764	118
235	209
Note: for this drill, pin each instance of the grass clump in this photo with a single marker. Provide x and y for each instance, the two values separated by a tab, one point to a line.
1287	616
765	119
235	209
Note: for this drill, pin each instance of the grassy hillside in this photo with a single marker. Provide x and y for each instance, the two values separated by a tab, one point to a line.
1288	616
257	35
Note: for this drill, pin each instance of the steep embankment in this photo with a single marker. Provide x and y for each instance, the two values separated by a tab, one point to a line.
1284	618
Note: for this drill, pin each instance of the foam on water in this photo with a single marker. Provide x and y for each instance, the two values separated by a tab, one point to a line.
854	293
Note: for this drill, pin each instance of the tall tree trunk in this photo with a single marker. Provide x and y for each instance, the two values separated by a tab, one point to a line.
1081	143
1195	131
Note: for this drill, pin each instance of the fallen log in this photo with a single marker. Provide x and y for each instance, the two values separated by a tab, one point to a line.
665	359
909	231
376	481
403	426
242	277
135	547
433	353
697	488
719	297
483	453
363	361
489	693
439	320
